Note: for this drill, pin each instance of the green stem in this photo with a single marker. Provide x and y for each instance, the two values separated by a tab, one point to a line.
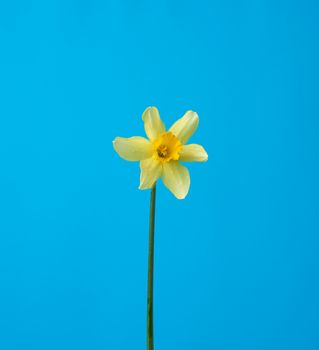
150	335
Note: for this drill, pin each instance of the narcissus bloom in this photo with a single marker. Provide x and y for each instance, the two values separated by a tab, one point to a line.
159	156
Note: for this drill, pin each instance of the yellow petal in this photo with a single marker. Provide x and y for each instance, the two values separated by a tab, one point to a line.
185	127
151	170
176	178
134	148
153	123
193	153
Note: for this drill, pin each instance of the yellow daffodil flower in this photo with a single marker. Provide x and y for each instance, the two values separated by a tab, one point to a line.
159	156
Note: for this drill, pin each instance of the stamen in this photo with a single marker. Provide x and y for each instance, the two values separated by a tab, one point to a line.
162	151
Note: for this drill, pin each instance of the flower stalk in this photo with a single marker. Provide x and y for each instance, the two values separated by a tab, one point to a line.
150	280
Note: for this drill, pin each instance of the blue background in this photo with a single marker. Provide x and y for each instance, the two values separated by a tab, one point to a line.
237	262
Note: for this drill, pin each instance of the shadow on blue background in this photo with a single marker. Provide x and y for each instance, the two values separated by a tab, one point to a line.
237	261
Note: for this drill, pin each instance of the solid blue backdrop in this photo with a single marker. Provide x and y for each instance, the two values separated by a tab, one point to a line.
236	262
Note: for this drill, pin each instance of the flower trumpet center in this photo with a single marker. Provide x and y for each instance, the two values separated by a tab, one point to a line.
162	151
167	147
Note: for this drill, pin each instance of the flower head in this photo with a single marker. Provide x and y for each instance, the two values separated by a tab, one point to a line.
160	154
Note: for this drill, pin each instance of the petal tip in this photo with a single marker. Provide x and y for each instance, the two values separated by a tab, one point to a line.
181	197
192	114
143	187
114	142
117	138
147	109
